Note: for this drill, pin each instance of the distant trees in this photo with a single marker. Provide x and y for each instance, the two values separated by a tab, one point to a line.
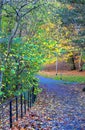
71	32
35	31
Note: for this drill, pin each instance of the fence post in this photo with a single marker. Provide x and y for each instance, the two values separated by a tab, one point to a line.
24	104
21	107
32	95
30	98
10	110
2	117
16	108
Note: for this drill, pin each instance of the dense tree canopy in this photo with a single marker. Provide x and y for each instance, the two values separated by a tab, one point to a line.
34	32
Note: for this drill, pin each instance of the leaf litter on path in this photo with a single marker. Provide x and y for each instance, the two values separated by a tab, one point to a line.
54	112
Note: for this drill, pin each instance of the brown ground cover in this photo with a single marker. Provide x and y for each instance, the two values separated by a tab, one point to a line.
65	72
55	111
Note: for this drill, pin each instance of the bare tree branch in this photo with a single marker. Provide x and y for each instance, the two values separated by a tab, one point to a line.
35	7
18	19
12	35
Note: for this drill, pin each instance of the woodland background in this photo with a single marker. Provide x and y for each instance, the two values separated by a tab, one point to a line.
34	33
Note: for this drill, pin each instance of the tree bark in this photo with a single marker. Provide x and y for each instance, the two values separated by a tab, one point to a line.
1	5
73	63
1	76
80	62
56	65
12	36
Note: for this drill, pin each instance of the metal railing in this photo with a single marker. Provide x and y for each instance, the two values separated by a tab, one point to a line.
15	109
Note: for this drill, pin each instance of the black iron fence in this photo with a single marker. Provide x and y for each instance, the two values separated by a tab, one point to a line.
15	108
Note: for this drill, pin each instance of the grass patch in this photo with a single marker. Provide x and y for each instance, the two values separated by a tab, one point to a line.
80	79
69	78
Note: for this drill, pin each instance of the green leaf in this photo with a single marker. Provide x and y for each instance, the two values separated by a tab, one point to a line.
26	58
13	71
2	68
1	93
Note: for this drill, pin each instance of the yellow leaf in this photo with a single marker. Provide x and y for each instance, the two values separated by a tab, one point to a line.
49	12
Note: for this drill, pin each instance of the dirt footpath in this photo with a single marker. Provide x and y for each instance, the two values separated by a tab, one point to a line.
59	107
64	72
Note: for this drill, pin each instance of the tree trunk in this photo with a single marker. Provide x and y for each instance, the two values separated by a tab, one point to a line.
0	20
1	5
56	65
80	62
73	63
1	76
12	35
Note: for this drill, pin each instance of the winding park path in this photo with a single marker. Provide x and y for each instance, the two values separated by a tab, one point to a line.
60	106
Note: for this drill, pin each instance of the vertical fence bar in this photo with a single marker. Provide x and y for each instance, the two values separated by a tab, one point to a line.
16	108
24	104
10	110
2	117
28	100
32	95
21	107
